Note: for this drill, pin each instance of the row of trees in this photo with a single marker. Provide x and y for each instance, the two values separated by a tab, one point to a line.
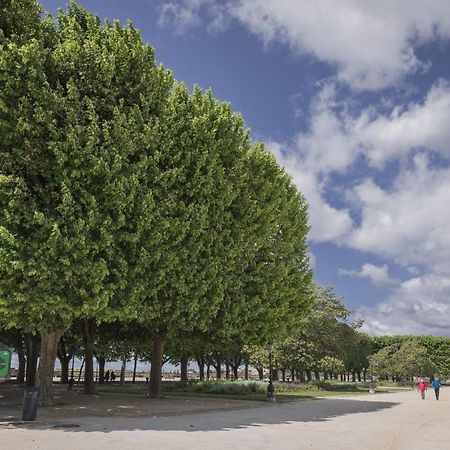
126	200
325	345
403	357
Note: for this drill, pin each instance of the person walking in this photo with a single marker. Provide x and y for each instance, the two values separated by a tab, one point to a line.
422	387
436	386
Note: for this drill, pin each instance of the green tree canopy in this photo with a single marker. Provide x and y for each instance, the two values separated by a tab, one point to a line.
76	126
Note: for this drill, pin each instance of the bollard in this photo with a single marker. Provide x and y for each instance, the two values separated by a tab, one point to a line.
30	401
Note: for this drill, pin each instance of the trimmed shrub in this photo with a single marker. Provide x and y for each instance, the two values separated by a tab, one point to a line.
218	387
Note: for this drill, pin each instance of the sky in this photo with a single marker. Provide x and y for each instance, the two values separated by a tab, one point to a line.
353	98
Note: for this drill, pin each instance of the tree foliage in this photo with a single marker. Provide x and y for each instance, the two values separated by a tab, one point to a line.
125	198
403	360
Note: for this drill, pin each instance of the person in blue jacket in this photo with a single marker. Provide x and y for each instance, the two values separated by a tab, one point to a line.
436	386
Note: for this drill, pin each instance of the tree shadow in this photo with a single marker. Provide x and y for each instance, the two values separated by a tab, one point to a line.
208	417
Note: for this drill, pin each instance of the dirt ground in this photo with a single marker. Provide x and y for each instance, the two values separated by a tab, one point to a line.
74	404
398	421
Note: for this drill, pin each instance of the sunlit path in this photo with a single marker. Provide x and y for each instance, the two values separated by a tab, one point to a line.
383	421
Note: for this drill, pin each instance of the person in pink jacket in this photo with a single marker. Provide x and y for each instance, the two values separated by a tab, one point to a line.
422	387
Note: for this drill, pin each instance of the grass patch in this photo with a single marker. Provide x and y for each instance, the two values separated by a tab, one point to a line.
247	390
240	388
117	389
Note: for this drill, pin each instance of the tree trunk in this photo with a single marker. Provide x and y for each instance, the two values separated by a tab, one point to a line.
101	369
359	375
218	371
208	371
201	368
134	367
227	370
65	362
122	371
32	349
283	375
236	372
184	369
246	371
308	375
21	368
88	327
156	367
260	373
80	371
317	375
49	347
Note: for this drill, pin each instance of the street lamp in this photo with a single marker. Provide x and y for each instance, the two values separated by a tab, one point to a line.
372	385
270	389
71	379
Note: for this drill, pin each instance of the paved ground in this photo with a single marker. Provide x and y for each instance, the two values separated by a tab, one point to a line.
378	422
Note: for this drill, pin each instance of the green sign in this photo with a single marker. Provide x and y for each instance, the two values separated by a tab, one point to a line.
5	363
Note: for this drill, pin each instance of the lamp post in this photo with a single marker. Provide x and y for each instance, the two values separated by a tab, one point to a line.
270	390
73	366
372	385
71	379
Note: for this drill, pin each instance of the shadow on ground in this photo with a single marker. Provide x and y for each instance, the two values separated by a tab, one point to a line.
107	413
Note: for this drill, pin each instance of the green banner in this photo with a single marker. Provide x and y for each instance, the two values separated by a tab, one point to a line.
5	363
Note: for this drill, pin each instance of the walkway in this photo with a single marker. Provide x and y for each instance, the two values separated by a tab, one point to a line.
379	422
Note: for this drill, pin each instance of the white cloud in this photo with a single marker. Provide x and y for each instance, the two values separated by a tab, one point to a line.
378	275
372	43
410	223
401	216
183	15
420	305
407	222
327	223
336	137
419	125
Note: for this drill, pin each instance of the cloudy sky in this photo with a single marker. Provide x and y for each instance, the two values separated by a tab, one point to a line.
353	97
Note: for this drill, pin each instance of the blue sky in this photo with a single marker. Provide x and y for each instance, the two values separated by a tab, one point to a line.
353	97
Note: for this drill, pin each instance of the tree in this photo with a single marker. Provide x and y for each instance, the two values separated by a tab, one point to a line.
330	364
438	348
356	349
74	122
123	197
258	357
438	351
68	346
403	360
267	276
201	149
322	331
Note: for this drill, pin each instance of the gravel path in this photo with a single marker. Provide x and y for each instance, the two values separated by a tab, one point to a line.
379	422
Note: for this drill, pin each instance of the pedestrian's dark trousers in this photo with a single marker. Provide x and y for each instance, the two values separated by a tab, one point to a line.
436	393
